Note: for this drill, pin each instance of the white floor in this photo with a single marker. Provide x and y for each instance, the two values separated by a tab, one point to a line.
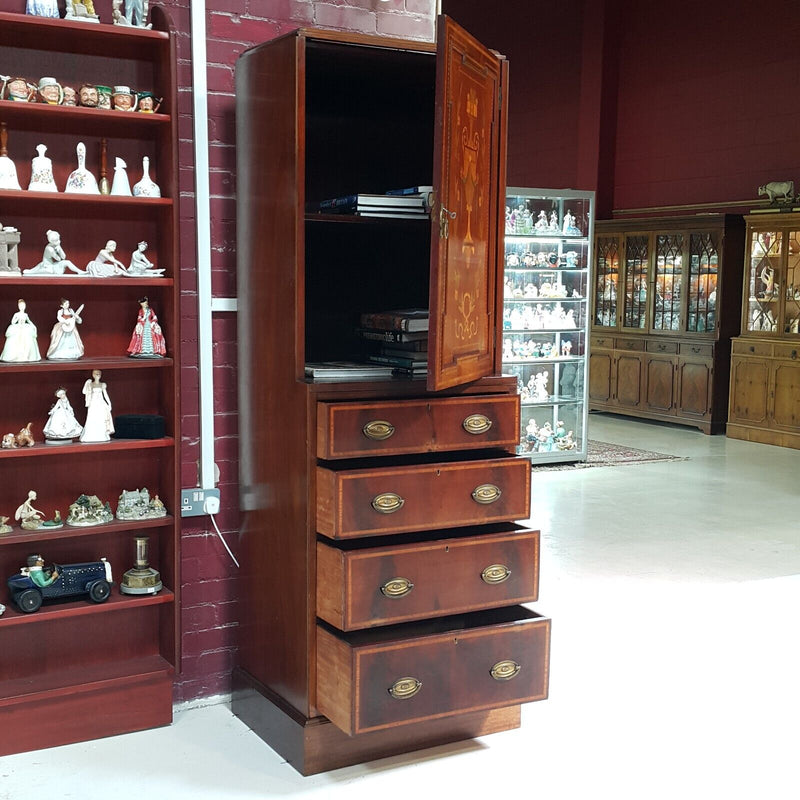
673	589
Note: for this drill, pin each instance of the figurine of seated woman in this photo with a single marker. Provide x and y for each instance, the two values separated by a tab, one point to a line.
141	264
54	260
104	264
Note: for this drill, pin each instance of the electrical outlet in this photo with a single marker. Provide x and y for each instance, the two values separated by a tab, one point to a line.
193	501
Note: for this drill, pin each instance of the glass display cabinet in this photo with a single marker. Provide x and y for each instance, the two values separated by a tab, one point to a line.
666	302
765	368
545	317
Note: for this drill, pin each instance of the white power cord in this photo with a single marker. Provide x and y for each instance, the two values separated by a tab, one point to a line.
211	506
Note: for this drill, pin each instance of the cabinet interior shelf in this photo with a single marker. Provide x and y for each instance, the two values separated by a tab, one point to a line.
557	360
352	219
544	300
553	401
74	119
70	532
526	331
61	202
79	280
522	238
87	364
86	447
83	606
86	678
540	270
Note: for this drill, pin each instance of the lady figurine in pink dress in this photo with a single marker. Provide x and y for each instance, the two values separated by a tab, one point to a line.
147	340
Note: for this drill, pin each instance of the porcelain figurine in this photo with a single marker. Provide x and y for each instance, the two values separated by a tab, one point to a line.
542	225
567	442
21	344
4	529
61	426
65	341
138	504
135	13
566	348
508	350
146	187
104	264
29	518
519	219
569	227
17	89
24	438
54	260
572	259
554	227
50	92
42	8
89	510
42	179
105	99
99	423
8	170
148	103
81	181
767	276
121	186
70	96
9	255
539	392
81	12
509	217
141	265
123	99
147	340
88	95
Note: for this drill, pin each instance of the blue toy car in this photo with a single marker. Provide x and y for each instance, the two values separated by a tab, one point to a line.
92	578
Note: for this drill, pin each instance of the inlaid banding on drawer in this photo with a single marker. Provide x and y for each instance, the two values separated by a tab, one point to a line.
370	586
438	424
434	496
435	675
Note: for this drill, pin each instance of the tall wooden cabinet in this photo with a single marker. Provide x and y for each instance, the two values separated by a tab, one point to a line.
666	302
765	365
382	570
77	670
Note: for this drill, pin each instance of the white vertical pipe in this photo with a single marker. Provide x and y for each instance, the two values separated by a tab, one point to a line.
205	341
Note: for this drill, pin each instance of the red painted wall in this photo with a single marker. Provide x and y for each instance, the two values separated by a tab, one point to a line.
708	103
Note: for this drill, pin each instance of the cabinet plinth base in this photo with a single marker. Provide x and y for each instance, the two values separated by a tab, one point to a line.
764	435
121	706
718	426
317	745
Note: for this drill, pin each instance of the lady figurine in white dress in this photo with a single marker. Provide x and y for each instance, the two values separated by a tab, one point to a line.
21	344
104	264
61	426
42	8
99	424
65	341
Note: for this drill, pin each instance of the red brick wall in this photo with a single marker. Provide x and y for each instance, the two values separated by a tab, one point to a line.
209	594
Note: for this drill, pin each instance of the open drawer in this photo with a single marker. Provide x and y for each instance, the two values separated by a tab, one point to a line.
373	680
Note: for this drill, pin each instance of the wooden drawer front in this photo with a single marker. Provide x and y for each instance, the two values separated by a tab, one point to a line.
382	585
788	351
662	347
421	497
627	343
747	347
602	342
697	350
451	670
349	430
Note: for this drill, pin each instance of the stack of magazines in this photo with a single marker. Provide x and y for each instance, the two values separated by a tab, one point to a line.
411	203
399	339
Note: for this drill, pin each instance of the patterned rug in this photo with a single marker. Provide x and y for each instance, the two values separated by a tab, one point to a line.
606	454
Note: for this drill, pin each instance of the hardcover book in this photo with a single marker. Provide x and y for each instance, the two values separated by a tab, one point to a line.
404	319
377	335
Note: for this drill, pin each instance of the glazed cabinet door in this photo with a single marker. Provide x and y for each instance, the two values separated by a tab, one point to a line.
464	233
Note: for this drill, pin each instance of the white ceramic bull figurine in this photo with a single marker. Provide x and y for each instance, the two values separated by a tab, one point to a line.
775	189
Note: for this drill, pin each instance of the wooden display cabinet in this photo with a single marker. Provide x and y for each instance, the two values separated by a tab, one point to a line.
366	634
666	300
765	368
75	670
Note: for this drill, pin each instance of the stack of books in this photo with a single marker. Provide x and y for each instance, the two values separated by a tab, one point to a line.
399	339
411	203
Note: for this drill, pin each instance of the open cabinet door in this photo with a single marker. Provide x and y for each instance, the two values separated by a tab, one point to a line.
465	228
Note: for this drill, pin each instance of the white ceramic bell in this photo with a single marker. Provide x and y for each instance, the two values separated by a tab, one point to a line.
42	179
121	186
81	181
8	171
146	187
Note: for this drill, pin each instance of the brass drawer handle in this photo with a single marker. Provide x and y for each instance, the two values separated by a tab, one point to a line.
397	587
752	349
496	573
662	347
505	670
378	430
387	503
486	493
695	349
403	688
476	424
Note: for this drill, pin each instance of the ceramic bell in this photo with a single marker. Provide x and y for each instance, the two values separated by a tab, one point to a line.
8	171
42	179
121	186
81	181
146	187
